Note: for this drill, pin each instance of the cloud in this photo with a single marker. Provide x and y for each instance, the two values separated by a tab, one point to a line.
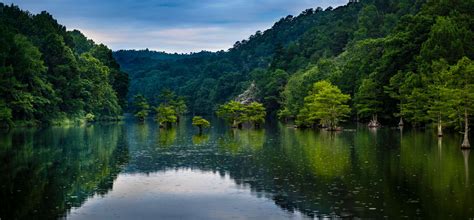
178	39
170	25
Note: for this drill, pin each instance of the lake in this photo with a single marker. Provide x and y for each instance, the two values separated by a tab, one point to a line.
131	170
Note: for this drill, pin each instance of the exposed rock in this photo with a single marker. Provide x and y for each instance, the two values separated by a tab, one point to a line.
249	95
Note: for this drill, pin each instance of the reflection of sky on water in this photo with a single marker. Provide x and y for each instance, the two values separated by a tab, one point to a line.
139	171
179	194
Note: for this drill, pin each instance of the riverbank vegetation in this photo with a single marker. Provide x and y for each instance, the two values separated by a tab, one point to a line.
387	62
236	113
325	106
49	75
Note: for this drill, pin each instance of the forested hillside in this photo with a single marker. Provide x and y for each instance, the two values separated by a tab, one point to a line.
396	59
51	75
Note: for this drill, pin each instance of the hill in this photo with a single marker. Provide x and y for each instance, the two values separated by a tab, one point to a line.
51	75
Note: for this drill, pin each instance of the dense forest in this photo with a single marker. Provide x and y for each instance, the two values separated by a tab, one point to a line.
49	75
407	61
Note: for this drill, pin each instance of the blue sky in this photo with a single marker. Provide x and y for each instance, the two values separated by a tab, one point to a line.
170	25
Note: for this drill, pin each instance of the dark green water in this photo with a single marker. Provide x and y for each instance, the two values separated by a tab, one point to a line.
137	171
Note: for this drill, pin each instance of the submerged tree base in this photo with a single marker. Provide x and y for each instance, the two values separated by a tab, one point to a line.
334	129
374	124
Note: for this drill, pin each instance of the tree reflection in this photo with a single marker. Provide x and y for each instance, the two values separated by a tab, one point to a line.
325	152
242	140
200	139
436	173
166	137
357	173
465	154
45	173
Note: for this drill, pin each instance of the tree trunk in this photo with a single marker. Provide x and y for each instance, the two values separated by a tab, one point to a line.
440	127
200	129
465	143
374	122
401	122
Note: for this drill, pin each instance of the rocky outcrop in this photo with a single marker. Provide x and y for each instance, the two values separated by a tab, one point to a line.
249	95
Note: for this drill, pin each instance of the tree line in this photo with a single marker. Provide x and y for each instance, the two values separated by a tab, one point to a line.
49	75
405	62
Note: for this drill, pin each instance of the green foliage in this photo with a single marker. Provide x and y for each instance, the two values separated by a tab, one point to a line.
235	113
142	108
179	105
165	115
438	93
90	117
325	104
459	94
382	53
446	41
201	123
209	79
396	58
254	113
270	85
5	114
367	99
48	74
232	112
99	96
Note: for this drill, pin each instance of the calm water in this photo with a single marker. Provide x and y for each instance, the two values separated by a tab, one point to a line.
137	171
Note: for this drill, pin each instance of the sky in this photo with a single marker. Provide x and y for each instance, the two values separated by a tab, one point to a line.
180	26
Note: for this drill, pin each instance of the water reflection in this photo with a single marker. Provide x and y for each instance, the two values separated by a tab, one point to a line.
46	172
166	137
179	194
200	139
465	154
139	170
237	140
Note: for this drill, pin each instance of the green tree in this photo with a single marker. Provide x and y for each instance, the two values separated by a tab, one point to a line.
200	123
62	73
446	41
254	113
165	115
5	115
142	108
180	107
98	95
270	84
327	104
415	107
48	74
33	91
369	21
461	90
232	112
439	95
367	100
